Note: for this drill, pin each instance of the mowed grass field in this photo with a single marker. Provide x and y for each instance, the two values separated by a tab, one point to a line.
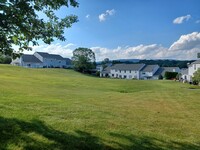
57	109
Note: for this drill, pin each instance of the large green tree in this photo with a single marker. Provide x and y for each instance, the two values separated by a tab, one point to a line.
21	25
83	59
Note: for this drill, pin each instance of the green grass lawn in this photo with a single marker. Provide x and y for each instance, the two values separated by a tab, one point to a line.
62	109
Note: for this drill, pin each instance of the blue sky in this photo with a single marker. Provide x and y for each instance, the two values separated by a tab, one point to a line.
144	29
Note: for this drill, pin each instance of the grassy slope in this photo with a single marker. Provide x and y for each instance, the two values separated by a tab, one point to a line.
62	109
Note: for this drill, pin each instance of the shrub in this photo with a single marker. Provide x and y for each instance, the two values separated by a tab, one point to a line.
170	75
196	78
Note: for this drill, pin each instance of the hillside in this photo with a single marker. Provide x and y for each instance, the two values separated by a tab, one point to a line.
62	109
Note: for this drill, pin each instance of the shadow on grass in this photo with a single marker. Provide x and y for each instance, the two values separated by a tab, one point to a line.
35	135
151	143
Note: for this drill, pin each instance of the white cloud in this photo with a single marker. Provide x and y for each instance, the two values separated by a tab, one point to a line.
187	42
152	51
65	51
198	21
186	47
87	16
181	19
103	16
110	12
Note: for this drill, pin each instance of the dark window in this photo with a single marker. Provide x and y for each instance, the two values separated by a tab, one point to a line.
124	77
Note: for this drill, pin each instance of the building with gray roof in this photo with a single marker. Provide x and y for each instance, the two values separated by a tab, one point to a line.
137	71
192	68
125	71
148	72
43	60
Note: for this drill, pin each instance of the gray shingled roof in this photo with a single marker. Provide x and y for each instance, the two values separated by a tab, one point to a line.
68	61
149	68
184	71
51	56
135	67
30	59
106	70
159	72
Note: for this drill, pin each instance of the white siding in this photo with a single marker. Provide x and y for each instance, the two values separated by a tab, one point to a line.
191	70
124	74
32	65
54	63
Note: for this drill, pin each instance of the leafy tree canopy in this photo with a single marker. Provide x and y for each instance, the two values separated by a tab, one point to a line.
83	59
5	59
20	24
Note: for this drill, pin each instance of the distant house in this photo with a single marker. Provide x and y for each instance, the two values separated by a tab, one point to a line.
105	72
42	60
51	60
192	68
31	61
137	71
124	71
148	72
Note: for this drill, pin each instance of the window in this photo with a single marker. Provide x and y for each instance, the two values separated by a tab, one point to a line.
195	68
125	77
124	71
116	75
120	71
112	75
130	71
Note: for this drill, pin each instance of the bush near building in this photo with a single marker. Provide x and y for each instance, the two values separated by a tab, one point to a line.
170	75
196	78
